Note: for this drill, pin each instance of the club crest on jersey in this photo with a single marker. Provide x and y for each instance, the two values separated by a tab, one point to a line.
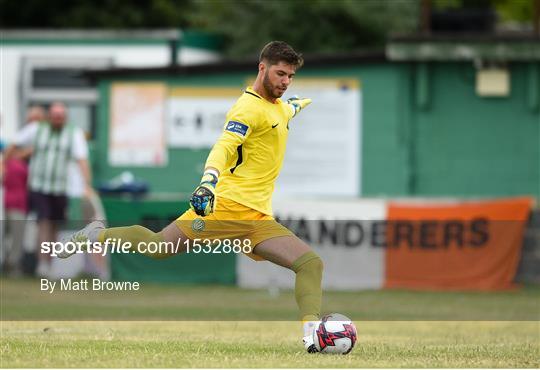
197	224
237	128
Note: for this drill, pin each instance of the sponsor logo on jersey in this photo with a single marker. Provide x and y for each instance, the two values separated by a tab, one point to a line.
197	224
237	128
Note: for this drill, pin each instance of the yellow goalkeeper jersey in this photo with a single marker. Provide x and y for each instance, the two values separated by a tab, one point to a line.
249	154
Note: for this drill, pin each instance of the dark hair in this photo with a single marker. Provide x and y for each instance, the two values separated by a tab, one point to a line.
279	51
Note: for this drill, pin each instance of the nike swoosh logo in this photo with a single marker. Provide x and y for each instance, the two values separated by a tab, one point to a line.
276	125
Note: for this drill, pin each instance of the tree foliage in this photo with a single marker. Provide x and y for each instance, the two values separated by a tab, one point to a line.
309	25
246	25
95	14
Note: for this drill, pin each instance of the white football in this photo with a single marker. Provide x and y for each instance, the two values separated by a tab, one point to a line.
336	333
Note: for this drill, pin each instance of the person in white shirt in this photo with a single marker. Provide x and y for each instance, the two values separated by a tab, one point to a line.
55	145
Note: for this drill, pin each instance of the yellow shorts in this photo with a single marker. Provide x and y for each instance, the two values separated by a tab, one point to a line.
232	221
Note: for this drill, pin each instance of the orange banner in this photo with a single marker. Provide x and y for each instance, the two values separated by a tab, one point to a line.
458	246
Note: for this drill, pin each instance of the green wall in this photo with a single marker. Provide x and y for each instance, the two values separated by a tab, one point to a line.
425	132
467	145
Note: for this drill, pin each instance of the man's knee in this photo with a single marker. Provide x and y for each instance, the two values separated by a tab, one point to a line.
308	261
173	233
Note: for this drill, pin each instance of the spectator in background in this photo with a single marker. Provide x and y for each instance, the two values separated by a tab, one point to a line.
55	144
34	116
16	195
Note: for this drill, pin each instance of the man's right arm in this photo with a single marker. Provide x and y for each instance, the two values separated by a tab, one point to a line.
226	148
234	134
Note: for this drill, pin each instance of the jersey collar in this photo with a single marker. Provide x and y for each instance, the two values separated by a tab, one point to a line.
249	90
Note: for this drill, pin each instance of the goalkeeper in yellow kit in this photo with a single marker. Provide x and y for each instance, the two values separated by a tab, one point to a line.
234	198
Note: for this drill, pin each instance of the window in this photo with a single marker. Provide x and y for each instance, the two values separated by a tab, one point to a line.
64	78
48	79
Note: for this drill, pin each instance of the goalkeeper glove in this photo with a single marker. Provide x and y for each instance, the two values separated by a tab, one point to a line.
298	104
203	199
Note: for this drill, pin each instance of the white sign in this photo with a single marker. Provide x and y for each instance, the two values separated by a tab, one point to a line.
196	115
323	151
196	122
356	265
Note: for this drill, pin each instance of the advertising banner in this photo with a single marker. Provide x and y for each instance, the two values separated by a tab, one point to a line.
470	245
373	244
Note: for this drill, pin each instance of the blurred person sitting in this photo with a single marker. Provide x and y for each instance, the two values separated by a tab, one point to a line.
16	195
55	144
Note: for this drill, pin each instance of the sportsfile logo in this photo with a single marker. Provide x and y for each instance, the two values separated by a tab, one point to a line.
119	246
110	246
237	128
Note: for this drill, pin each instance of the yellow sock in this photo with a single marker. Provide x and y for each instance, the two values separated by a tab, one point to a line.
307	290
135	235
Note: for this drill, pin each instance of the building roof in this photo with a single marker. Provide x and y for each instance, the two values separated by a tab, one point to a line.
313	60
464	47
408	48
80	34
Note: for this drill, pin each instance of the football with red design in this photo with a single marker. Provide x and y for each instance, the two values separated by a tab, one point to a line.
336	333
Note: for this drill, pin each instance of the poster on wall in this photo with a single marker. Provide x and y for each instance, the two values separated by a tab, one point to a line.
323	150
196	115
137	129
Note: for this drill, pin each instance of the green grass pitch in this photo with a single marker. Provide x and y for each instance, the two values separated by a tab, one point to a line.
33	335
